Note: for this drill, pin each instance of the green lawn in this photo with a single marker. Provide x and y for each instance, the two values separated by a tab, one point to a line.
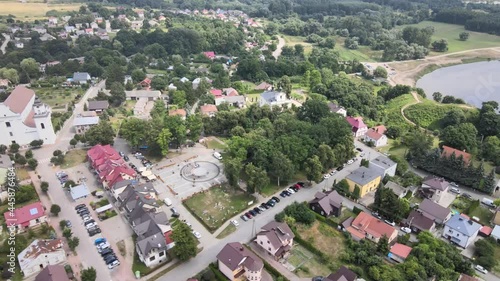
228	230
428	114
462	205
218	204
363	53
393	111
450	32
58	98
294	40
74	157
214	144
306	263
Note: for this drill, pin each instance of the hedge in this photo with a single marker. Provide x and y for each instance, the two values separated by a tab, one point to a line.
273	271
325	220
356	210
218	275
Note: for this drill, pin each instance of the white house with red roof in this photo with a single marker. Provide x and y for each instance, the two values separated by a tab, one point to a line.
374	136
359	128
23	119
21	219
210	55
108	165
399	252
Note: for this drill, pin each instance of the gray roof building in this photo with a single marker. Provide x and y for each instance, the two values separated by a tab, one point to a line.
85	121
384	165
98	105
343	274
435	211
362	175
435	183
420	221
328	201
137	94
396	188
79	191
463	225
234	254
81	77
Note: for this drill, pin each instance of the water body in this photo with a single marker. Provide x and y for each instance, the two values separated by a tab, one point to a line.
475	83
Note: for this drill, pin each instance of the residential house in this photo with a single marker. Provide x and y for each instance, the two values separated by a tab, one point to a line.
40	254
81	77
136	24
264	86
276	238
146	83
208	110
108	165
418	221
436	212
371	228
397	189
209	55
434	188
375	137
18	44
46	37
342	274
150	224
384	166
230	92
496	233
52	21
358	126
83	124
327	204
197	81
461	231
120	186
69	28
143	94
184	79
29	216
238	263
449	151
52	273
24	118
399	252
217	93
178	112
5	165
366	179
128	79
335	108
98	106
274	98
236	101
40	29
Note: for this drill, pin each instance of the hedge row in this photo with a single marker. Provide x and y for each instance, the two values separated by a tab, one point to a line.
218	275
325	220
310	247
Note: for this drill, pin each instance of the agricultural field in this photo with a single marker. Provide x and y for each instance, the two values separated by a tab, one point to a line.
450	32
428	114
34	10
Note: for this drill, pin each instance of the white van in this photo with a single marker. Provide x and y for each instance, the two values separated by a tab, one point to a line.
217	155
167	201
488	202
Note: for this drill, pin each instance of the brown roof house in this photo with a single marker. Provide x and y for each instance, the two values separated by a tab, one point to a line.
434	188
39	254
436	212
237	263
375	137
276	238
335	108
52	273
449	151
418	221
327	204
98	105
208	110
343	274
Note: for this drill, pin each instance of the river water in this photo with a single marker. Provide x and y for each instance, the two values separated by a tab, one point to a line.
475	83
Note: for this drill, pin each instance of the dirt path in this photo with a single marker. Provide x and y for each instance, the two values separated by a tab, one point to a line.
279	48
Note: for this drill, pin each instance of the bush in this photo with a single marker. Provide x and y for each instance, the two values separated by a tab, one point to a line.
218	275
356	210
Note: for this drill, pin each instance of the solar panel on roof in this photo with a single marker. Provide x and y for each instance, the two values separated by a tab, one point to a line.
33	211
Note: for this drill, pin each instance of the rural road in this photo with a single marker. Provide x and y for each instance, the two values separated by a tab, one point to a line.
4	44
281	44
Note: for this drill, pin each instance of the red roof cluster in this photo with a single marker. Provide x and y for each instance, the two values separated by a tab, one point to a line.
22	216
109	165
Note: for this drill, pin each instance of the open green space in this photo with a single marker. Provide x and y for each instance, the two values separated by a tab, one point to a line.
393	111
463	205
74	157
58	98
215	144
362	54
306	263
450	32
428	114
34	10
218	204
295	40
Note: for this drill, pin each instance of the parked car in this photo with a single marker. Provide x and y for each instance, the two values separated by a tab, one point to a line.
466	195
326	176
290	191
480	269
126	158
350	162
235	223
113	264
406	229
340	168
175	214
298	185
84	213
271	203
110	258
249	215
82	209
89	222
318	278
93	231
87	218
391	223
217	156
359	149
167	201
283	194
99	240
80	206
375	214
455	190
276	199
333	172
106	252
264	205
197	234
68	224
121	153
294	188
453	184
257	210
244	218
253	213
302	184
90	225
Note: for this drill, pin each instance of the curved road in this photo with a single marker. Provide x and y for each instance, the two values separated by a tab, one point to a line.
279	48
4	44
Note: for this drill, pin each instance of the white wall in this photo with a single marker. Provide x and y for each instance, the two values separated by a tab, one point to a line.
463	240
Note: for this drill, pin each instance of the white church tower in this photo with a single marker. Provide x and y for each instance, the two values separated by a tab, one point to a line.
43	122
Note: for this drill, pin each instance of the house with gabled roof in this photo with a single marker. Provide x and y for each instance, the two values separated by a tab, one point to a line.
373	136
327	204
449	151
109	165
419	221
237	263
98	105
371	228
21	219
342	274
209	55
461	231
436	212
359	128
399	252
335	108
52	273
434	188
276	238
40	254
208	110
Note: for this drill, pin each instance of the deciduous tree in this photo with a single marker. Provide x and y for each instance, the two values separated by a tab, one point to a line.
185	243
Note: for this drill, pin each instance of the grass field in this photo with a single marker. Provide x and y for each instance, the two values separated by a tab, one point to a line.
363	53
428	114
294	40
74	157
393	110
306	263
450	32
58	98
217	205
33	10
214	144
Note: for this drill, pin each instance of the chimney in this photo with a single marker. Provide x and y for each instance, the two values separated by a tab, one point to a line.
241	248
470	222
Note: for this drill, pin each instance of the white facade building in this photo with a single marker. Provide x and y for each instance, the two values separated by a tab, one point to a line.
23	118
273	98
461	231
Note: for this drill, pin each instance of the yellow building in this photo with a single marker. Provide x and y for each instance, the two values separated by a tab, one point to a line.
367	180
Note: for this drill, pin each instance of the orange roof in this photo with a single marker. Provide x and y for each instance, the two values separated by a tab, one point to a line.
401	250
19	99
365	223
208	108
374	135
380	129
180	112
486	230
448	151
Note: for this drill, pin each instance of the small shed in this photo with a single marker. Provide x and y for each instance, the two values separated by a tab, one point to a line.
104	208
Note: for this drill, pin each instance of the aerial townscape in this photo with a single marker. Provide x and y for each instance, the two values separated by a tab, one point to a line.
264	140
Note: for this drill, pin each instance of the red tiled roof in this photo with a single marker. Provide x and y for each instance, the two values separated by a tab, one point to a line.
23	215
448	151
109	164
486	230
401	250
29	121
209	55
19	99
356	122
216	92
180	112
365	223
168	238
372	134
381	129
208	108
